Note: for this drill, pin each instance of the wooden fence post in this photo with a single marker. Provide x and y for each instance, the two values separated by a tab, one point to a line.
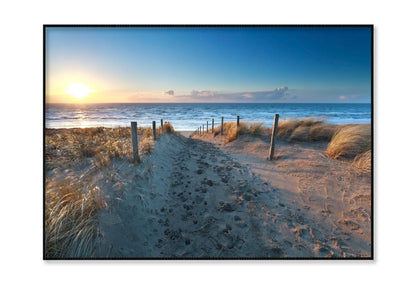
203	128
161	124
274	134
154	130
207	127
238	121
134	142
222	126
212	126
200	130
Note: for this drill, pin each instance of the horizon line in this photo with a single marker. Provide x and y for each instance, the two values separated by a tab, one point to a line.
81	103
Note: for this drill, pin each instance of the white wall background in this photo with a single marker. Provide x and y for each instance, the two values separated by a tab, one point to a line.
21	199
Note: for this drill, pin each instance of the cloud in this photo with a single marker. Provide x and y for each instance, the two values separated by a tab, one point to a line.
170	92
277	94
347	97
204	93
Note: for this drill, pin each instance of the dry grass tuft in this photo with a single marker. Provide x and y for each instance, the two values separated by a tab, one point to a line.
71	217
310	129
285	128
145	132
231	132
257	129
146	145
350	141
217	130
168	128
300	133
363	161
322	132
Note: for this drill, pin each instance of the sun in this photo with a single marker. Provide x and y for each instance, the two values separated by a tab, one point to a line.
78	90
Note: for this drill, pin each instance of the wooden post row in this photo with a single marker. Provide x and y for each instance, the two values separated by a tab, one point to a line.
134	142
273	138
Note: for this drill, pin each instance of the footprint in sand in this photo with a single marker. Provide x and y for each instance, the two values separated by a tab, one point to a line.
199	199
207	182
224	179
228	207
247	197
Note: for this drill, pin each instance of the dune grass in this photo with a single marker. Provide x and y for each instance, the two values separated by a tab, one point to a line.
310	129
78	145
257	129
291	130
168	128
231	132
344	141
217	130
350	141
71	217
363	161
75	159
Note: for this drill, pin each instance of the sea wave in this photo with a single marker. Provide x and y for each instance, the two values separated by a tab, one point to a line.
191	116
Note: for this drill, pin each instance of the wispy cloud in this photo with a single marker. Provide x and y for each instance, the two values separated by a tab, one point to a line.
348	97
170	92
204	93
273	95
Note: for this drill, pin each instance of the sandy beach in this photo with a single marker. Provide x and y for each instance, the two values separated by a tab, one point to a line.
203	197
186	134
325	204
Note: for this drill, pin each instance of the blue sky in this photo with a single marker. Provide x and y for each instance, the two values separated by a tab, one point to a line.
242	64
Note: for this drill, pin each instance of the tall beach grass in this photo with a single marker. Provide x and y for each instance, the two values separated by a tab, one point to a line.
344	141
71	209
76	161
363	161
350	141
292	130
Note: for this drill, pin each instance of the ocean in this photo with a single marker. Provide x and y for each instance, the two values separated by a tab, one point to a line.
189	116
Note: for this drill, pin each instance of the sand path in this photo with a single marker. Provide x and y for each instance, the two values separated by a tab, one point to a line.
330	199
192	199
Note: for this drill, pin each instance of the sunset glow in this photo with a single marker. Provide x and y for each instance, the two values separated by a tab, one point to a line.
78	90
247	65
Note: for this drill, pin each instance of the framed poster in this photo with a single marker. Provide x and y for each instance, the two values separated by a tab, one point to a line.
208	142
